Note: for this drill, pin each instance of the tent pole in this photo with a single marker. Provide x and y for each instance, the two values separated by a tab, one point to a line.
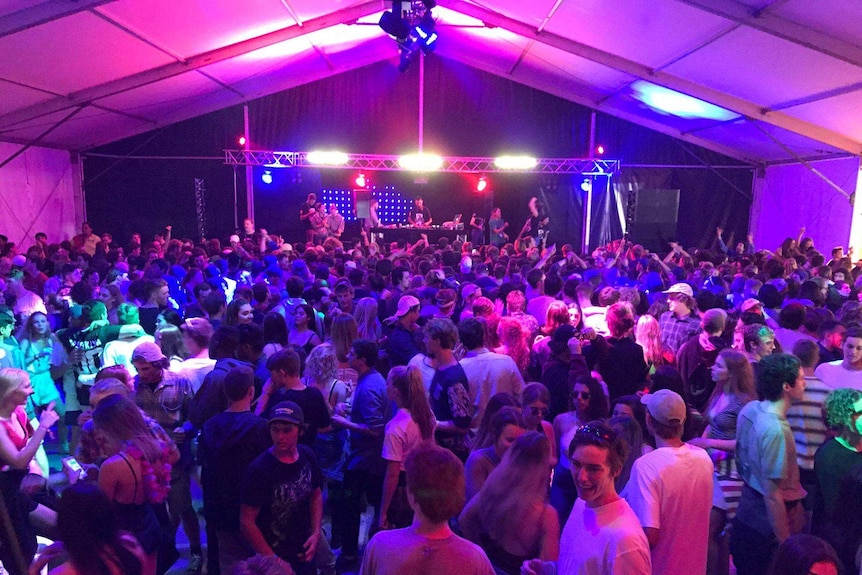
249	177
421	100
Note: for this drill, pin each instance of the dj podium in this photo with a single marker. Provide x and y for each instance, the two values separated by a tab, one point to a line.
412	234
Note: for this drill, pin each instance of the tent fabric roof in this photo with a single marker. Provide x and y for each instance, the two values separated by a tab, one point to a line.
786	74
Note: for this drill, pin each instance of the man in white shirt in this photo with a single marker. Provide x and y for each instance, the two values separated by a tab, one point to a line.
670	490
845	372
197	333
488	373
602	535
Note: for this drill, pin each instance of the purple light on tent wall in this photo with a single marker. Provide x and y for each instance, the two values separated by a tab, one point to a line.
674	103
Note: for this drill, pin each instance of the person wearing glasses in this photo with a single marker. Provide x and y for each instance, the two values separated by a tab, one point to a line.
535	402
602	535
587	402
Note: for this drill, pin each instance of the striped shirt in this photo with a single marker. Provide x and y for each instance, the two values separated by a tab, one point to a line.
807	421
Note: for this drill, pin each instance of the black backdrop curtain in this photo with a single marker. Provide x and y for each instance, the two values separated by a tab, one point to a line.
375	110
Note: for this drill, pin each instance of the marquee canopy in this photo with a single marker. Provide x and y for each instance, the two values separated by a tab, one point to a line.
763	81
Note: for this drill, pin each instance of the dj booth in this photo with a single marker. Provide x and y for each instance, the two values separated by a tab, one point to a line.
412	234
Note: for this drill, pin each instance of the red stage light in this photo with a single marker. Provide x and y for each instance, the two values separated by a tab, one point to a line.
360	180
600	150
241	140
482	184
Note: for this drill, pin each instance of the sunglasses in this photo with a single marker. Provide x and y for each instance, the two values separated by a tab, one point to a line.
581	394
537	411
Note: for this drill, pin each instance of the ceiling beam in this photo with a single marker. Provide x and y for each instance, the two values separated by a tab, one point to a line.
84	97
213	105
556	90
769	23
694	89
43	13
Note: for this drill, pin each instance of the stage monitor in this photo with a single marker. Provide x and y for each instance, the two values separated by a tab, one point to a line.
656	215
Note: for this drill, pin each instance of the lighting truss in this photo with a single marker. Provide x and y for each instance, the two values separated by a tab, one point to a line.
451	164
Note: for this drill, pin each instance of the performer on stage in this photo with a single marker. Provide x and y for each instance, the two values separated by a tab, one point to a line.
334	222
536	226
305	213
497	227
477	230
420	216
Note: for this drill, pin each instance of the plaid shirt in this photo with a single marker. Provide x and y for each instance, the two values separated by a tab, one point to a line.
169	403
676	331
91	447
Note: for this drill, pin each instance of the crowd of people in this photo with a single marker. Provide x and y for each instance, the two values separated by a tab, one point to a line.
502	408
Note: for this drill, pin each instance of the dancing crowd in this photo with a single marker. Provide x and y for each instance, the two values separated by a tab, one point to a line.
501	408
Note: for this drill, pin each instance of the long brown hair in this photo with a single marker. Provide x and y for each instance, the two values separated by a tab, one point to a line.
411	391
741	374
119	417
515	487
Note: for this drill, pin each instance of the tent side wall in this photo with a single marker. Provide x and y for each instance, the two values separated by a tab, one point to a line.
40	191
787	197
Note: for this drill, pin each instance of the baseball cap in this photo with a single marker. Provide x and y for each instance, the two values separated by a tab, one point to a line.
198	326
445	298
405	304
750	304
560	340
468	290
148	352
288	412
665	406
680	287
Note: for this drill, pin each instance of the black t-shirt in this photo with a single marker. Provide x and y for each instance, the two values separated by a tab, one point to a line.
282	492
314	410
425	214
305	209
228	445
536	224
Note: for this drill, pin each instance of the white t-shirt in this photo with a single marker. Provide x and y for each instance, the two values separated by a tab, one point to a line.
670	489
402	434
834	375
119	352
195	369
606	540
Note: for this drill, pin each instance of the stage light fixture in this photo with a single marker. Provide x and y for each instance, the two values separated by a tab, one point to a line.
482	184
266	177
420	162
515	162
325	158
241	141
393	24
360	180
600	150
587	185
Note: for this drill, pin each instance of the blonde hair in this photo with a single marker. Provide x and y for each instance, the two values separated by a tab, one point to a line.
365	314
648	336
321	364
10	379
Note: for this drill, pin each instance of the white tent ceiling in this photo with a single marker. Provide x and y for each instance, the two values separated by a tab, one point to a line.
75	74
